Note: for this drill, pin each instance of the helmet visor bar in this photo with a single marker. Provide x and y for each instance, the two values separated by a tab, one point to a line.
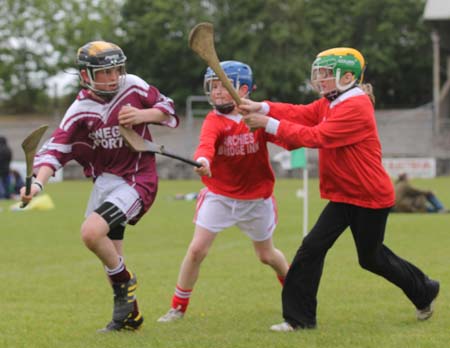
108	86
208	84
120	68
319	75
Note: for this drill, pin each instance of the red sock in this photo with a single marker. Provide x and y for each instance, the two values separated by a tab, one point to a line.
180	299
282	278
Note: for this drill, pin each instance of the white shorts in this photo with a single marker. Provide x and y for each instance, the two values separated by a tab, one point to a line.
114	189
256	218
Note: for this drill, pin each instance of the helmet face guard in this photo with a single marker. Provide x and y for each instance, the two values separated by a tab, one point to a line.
333	64
238	73
101	56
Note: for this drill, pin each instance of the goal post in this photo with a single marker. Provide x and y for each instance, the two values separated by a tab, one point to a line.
191	111
299	160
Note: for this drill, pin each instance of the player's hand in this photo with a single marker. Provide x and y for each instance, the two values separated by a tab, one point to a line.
204	169
129	116
248	106
255	120
34	190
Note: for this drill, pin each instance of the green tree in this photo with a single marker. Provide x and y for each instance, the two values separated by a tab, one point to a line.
156	44
280	40
392	37
261	33
268	35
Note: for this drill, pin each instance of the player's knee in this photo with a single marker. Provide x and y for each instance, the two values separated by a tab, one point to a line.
197	253
89	236
266	257
369	263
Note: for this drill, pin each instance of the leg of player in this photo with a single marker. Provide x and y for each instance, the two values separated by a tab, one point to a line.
118	245
189	271
126	313
96	234
273	257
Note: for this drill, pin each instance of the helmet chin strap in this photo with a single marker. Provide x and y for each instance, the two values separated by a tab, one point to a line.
334	94
346	87
225	108
107	97
343	88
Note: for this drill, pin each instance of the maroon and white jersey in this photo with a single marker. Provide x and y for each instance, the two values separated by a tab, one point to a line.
89	134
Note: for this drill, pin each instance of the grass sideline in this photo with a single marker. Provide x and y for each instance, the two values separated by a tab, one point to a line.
54	292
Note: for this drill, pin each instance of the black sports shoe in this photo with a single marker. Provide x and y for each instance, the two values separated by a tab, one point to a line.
130	324
124	298
426	312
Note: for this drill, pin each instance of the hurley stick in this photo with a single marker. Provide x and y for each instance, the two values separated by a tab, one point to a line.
29	146
201	41
139	144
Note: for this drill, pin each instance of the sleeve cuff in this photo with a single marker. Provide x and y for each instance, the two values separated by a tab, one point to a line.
265	108
272	126
172	122
203	159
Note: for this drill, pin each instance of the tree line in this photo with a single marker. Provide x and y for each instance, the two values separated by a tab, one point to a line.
278	39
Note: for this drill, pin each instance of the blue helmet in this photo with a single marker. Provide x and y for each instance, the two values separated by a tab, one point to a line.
239	73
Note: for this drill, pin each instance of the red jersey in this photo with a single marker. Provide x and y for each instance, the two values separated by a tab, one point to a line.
238	157
345	132
89	134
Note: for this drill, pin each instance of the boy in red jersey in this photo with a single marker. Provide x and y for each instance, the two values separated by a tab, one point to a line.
125	182
239	185
342	126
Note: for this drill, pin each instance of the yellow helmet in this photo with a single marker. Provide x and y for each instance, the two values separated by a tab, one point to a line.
339	60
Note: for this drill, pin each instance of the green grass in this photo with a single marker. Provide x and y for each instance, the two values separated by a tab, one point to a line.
53	291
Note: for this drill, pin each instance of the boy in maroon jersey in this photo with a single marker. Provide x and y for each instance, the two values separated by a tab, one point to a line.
125	182
342	126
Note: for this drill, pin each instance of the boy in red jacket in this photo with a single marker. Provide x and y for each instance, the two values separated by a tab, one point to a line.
239	185
342	126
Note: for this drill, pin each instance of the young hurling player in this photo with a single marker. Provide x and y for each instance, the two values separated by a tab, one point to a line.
125	182
342	126
239	185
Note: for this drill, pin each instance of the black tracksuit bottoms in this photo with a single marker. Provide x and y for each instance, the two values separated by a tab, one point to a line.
299	294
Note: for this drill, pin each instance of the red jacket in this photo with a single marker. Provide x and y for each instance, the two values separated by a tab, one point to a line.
238	158
346	135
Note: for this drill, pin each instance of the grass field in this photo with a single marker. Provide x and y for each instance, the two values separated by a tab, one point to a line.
53	291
